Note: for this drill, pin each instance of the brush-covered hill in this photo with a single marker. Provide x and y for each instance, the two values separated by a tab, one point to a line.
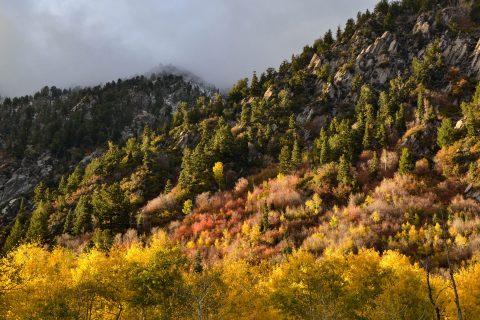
47	134
350	171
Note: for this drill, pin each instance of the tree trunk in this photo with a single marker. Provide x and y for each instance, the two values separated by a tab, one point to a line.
454	285
430	293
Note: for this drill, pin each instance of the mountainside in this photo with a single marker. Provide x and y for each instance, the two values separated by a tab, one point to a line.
43	135
345	184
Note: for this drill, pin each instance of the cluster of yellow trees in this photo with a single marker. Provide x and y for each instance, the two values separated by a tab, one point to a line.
157	281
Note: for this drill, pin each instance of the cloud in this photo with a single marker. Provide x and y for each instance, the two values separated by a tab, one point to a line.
71	42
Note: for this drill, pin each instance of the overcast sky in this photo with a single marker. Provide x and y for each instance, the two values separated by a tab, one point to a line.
84	42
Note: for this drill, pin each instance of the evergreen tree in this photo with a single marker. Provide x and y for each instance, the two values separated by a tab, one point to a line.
470	124
343	175
400	119
339	33
445	133
385	106
186	178
111	208
74	179
367	138
284	160
406	162
168	187
62	186
328	38
68	224
381	135
420	112
265	212
40	193
245	115
223	141
324	148
255	87
469	115
296	155
365	99
38	227
83	216
19	229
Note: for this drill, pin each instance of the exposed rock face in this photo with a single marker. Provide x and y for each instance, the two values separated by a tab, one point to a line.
423	24
377	58
475	65
422	143
21	181
472	193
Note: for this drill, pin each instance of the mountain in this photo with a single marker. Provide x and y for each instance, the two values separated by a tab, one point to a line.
344	184
43	135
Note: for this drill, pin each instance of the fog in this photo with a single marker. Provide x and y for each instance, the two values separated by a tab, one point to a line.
85	42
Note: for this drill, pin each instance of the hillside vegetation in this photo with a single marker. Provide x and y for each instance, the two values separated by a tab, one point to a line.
343	185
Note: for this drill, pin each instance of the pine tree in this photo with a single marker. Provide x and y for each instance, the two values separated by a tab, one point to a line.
74	179
420	112
445	133
400	119
40	192
385	106
83	216
68	225
168	187
62	186
296	155
245	115
324	148
343	175
111	208
406	162
381	135
469	119
284	160
339	33
19	229
186	173
367	138
255	88
265	212
38	227
223	141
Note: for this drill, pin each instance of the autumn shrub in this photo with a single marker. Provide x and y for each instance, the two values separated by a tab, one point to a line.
448	159
241	186
163	202
315	243
468	208
206	203
422	167
282	192
324	179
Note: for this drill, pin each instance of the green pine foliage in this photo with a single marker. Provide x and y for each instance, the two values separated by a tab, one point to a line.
38	227
446	133
406	163
18	230
285	160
